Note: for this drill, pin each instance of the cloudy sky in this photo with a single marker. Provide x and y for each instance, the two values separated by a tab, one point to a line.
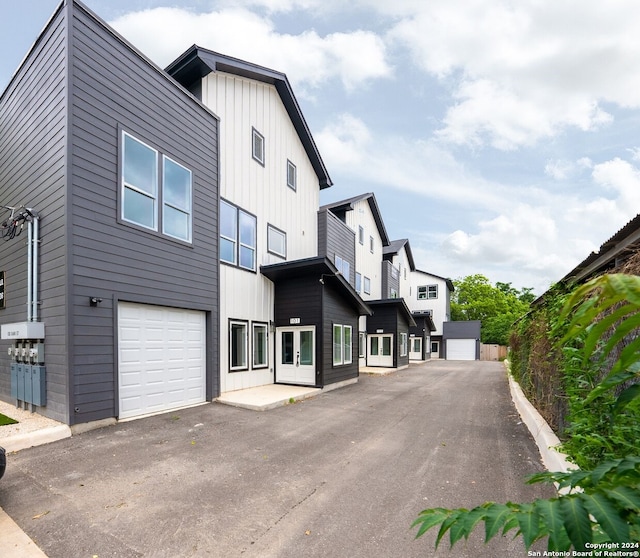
500	137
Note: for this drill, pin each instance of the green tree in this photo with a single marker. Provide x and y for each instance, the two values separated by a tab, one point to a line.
497	307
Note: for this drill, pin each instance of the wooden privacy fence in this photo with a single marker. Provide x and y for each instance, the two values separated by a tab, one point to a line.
492	352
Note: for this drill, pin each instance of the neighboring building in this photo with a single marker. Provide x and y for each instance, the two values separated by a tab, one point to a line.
271	279
431	294
397	267
112	308
461	340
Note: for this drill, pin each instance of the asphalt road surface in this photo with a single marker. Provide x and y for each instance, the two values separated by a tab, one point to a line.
341	475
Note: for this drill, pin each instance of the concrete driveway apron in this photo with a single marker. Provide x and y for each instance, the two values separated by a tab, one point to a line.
343	474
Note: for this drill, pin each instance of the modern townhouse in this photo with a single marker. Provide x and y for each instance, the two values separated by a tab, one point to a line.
287	314
109	188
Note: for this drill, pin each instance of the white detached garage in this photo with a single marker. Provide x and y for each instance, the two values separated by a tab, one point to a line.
161	359
461	340
461	349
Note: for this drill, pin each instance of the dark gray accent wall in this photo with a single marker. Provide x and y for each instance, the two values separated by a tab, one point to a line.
33	158
389	319
336	312
335	237
388	280
113	89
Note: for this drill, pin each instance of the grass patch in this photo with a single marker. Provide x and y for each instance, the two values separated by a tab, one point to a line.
4	419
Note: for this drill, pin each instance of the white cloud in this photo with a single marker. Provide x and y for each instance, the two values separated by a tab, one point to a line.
309	59
524	71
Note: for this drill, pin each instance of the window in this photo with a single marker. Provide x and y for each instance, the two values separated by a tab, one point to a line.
394	293
176	200
342	344
427	291
360	234
260	353
257	146
367	285
276	241
362	344
238	343
143	190
358	282
237	236
403	344
292	176
343	266
140	183
371	244
395	272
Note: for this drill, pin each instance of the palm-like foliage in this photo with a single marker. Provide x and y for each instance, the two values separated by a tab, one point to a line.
602	505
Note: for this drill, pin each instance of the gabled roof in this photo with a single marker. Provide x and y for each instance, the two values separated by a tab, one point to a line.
348	205
323	269
197	62
395	246
448	281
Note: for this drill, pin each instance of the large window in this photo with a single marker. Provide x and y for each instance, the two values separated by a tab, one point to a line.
237	236
238	345
260	351
144	190
276	241
342	344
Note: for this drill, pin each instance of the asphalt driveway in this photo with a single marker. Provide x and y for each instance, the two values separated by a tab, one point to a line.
340	475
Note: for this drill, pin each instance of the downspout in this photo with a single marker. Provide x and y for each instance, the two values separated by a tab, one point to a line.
30	271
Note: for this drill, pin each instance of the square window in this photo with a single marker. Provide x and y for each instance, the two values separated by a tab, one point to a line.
260	351
292	176
257	146
432	291
238	343
276	241
422	293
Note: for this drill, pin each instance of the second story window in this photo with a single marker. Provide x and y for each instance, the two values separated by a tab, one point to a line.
343	266
145	190
371	244
257	146
292	176
361	234
237	236
367	285
358	282
427	291
276	241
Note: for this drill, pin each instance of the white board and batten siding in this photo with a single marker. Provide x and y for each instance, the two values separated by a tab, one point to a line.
244	104
161	359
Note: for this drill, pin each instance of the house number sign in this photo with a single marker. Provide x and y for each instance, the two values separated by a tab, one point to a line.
293	321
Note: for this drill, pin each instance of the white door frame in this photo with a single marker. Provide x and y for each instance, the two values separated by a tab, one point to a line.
295	360
380	348
413	354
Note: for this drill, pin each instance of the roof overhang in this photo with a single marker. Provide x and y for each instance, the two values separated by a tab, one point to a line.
427	317
398	303
326	273
197	62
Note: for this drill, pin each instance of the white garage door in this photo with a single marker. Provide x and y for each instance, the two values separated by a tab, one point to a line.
161	358
461	349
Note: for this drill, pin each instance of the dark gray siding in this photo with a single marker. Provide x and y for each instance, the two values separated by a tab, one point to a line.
33	118
115	89
388	280
389	319
336	312
335	237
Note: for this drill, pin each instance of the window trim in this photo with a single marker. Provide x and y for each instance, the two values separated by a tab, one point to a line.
245	324
236	241
371	247
344	355
124	185
432	289
358	282
259	157
361	234
362	344
271	250
254	327
166	204
291	168
403	344
367	285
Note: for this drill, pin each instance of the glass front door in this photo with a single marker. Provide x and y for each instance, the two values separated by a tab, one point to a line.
295	350
415	348
380	351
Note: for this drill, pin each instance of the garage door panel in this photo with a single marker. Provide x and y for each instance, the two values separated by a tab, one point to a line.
161	358
461	349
